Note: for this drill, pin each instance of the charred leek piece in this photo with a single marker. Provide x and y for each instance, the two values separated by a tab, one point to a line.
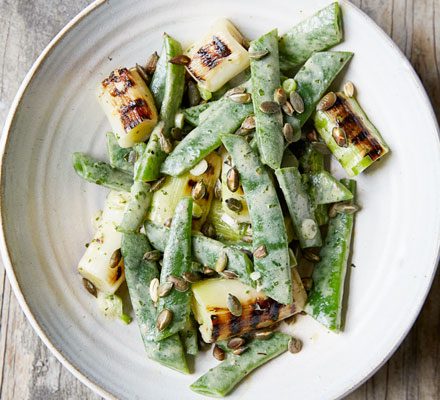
177	261
117	155
325	189
139	274
271	257
218	56
137	207
101	173
317	33
300	209
265	80
219	381
359	142
102	263
166	198
129	106
205	251
325	298
258	311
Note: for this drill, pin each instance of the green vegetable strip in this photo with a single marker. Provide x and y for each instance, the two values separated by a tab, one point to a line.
317	33
138	274
206	137
189	337
300	209
158	81
192	114
326	189
265	73
206	251
267	220
118	155
136	209
316	76
220	380
101	173
177	261
325	298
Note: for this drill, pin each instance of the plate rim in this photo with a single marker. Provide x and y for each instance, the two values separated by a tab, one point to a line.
7	262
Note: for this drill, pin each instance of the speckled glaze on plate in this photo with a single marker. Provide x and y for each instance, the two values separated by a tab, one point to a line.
46	209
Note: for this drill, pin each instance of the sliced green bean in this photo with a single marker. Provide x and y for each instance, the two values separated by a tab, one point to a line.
138	274
101	173
317	33
271	257
300	209
192	114
265	73
137	208
189	337
177	261
158	81
118	155
325	298
205	251
220	380
326	189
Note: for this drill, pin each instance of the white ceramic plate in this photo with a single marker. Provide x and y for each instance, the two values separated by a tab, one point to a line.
46	208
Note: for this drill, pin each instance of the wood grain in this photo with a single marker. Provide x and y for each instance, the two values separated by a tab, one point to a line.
29	371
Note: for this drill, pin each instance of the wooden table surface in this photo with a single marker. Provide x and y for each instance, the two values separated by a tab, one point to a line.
27	368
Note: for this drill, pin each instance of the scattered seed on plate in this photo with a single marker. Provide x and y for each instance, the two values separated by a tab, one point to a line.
234	204
294	345
154	288
312	136
349	89
218	189
339	136
199	168
297	102
90	287
152	255
115	259
218	353
327	102
280	96
181	59
287	108
199	190
165	144
236	90
342	208
208	230
234	305
221	262
310	255
241	98
142	73
236	342
164	319
158	184
150	66
229	274
191	277
165	289
239	351
208	271
269	107
249	123
288	133
263	334
233	179
258	55
180	284
260	252
168	222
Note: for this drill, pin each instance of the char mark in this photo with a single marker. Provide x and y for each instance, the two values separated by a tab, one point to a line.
135	112
121	76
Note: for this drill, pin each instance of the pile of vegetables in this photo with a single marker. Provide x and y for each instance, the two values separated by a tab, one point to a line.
222	218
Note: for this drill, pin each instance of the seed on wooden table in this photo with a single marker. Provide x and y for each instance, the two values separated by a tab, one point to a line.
233	179
218	189
327	101
164	319
165	289
221	263
236	90
236	342
310	255
229	274
263	335
349	89
269	107
142	73
280	96
339	136
218	353
288	132
168	222
199	190
193	94
153	255
287	108
90	287
191	277
150	66
260	252
297	102
234	204
158	184
181	59
249	123
258	55
234	305
200	168
239	351
154	288
307	283
295	345
179	283
241	98
208	230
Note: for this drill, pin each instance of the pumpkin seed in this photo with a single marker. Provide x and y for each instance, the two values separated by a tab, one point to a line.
199	190
229	274
260	252
142	73
297	102
312	136
180	284
218	353
236	342
307	283
241	98
165	289
321	147
115	258
90	287
176	133
258	55
327	102
233	179
288	133
158	184
294	345
164	319
221	263
269	107
208	230
191	277
199	168
153	255
249	123
255	275
280	96
263	334
150	66
342	208
234	305
168	222
193	94
310	255
208	271
218	189
349	89
181	59
309	228
154	287
239	351
236	90
287	108
339	136
234	204
165	144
